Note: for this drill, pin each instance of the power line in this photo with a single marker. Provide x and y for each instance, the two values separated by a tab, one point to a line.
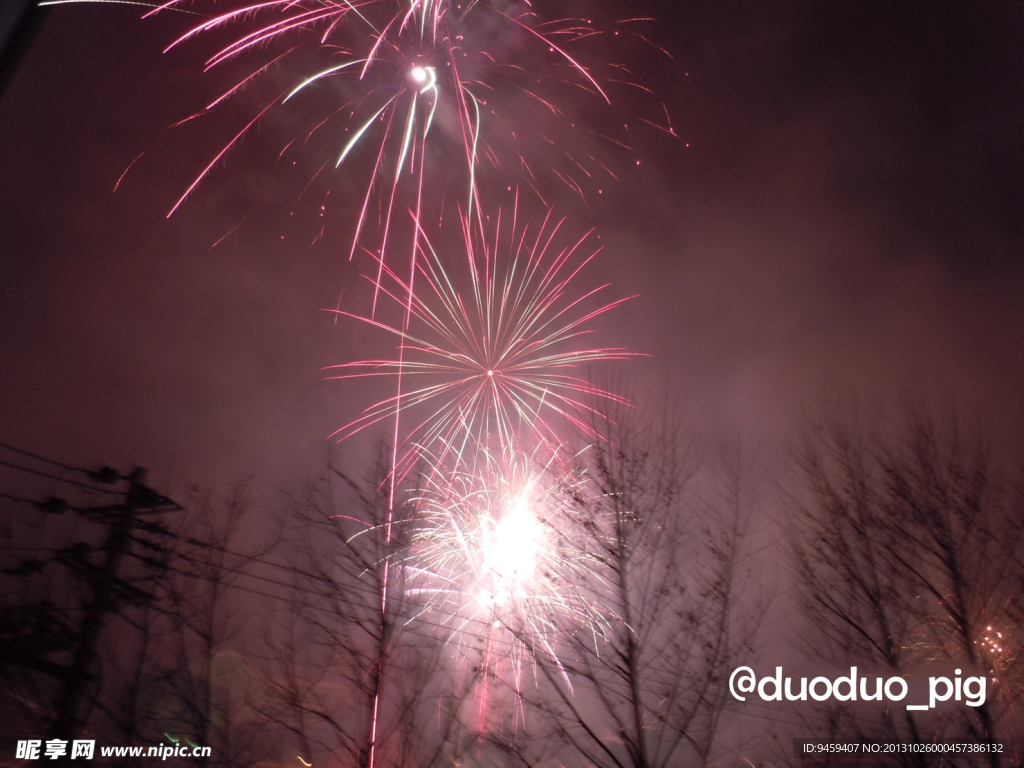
58	478
36	456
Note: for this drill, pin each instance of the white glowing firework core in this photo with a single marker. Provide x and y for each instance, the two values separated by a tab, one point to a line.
425	77
512	548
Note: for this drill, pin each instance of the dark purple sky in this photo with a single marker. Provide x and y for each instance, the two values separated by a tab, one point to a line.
847	215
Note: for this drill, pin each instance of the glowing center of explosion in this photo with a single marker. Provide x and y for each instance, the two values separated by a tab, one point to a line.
423	76
511	549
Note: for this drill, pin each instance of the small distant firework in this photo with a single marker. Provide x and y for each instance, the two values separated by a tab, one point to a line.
490	352
1001	651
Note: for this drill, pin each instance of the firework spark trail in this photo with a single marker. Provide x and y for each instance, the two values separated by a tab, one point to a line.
504	359
398	399
396	49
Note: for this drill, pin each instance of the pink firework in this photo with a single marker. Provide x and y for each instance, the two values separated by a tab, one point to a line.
420	101
489	353
497	552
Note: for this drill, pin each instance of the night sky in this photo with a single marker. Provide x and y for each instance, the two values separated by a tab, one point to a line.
841	212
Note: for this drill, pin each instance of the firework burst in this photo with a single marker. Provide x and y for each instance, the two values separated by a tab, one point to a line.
497	551
494	542
420	100
490	353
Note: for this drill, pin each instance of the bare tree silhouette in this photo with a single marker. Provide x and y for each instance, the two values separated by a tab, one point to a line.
908	547
646	690
337	656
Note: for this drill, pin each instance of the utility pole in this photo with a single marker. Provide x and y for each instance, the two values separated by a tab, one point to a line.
108	592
